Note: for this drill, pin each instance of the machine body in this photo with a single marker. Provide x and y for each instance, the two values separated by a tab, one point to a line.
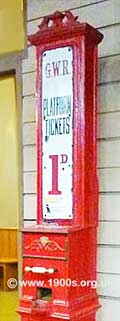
59	253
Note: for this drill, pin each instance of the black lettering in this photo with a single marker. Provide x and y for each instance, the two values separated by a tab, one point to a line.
68	125
52	124
46	125
48	71
63	125
60	132
56	68
45	107
56	127
65	67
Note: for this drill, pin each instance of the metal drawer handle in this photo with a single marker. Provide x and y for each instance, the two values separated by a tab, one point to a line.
39	269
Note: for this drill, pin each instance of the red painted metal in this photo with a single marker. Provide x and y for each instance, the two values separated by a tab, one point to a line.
68	248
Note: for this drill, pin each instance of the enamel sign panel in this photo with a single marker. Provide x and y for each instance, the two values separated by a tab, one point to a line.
57	133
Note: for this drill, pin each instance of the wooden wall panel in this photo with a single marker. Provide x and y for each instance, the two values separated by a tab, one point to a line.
29	133
109	125
109	310
109	207
109	285
109	97
109	69
38	8
108	259
29	83
29	182
109	154
29	158
30	207
109	179
109	233
29	108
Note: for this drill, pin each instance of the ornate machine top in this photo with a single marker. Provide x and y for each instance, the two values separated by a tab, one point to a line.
63	25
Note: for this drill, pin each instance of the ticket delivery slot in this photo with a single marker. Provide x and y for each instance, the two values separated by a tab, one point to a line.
59	252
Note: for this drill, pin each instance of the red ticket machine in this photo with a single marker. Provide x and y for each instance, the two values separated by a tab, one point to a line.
59	253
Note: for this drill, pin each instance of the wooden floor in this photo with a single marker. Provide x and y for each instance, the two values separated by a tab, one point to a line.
8	306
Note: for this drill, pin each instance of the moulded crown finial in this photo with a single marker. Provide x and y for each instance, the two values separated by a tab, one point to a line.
58	20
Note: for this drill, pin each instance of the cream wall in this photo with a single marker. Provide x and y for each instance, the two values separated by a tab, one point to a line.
105	15
8	153
12	26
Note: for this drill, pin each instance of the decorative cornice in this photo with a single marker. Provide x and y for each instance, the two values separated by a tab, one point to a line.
58	20
43	243
61	25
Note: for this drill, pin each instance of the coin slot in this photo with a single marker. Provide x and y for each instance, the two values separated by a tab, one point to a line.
44	294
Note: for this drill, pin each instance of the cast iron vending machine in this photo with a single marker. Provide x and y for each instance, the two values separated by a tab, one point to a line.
59	253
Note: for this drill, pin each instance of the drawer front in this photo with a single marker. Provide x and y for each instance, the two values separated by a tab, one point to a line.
37	274
45	245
